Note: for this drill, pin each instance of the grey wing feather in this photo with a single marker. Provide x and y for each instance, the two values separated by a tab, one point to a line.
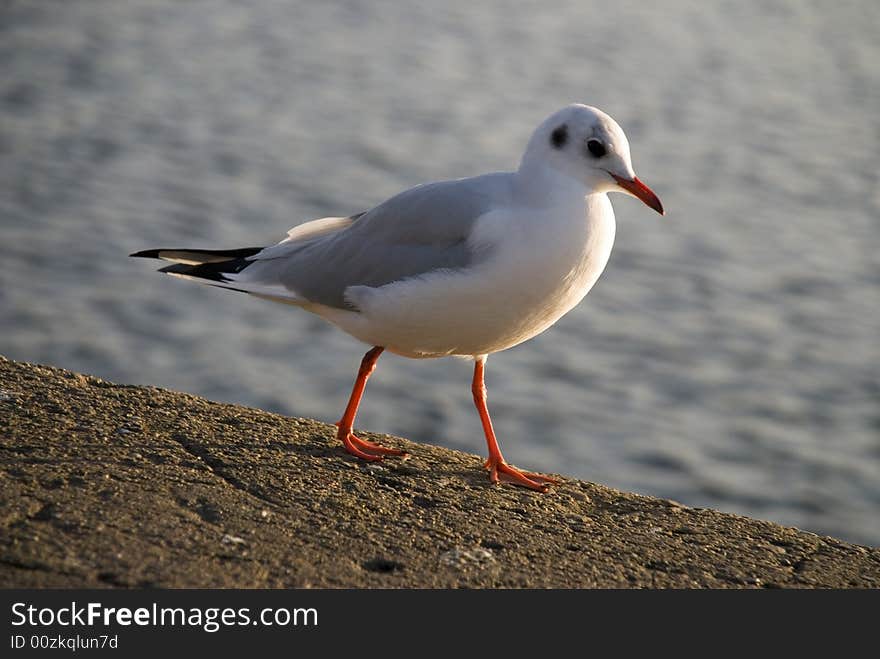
419	230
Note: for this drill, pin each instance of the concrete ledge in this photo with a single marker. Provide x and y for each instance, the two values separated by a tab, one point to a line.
118	486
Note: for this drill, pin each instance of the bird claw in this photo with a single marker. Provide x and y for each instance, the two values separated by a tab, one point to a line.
366	450
500	470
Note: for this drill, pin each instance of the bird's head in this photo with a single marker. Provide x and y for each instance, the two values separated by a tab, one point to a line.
586	144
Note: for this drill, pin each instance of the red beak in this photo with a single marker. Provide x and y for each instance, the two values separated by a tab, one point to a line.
640	190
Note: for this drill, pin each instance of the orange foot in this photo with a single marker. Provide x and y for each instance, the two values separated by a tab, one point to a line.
500	470
366	450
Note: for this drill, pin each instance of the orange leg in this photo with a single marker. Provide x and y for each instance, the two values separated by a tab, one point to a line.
354	445
496	465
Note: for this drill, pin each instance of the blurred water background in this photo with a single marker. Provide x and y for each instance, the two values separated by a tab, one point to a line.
727	358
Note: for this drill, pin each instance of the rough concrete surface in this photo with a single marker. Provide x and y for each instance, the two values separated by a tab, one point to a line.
103	485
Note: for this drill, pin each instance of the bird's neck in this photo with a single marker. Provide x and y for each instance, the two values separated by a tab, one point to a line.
537	184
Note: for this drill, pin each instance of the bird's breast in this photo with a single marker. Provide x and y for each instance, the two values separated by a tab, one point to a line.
550	267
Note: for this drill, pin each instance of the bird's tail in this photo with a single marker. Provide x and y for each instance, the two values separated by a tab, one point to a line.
219	267
212	266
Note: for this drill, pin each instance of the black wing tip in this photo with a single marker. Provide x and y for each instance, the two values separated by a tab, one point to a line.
198	271
177	268
229	254
211	271
148	253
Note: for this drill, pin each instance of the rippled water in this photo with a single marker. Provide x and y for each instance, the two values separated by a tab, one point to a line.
727	358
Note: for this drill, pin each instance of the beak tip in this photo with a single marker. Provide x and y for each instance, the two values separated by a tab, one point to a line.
638	189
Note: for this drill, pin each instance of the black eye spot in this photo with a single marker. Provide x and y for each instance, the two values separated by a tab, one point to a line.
559	136
596	148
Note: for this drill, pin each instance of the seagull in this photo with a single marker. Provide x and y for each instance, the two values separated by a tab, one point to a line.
466	267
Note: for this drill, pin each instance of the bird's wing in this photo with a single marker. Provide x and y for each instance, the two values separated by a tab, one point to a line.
423	229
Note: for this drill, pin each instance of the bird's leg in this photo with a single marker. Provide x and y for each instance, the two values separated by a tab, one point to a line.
496	465
354	445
